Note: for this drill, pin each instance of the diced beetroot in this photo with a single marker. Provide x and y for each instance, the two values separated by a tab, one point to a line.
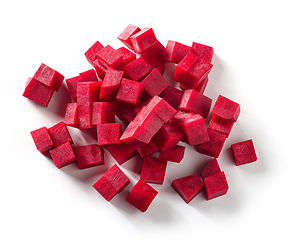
122	152
124	37
129	91
137	69
103	112
143	39
71	115
153	170
173	96
215	144
203	51
202	85
211	168
111	183
127	55
152	62
188	187
244	152
175	154
215	185
225	110
59	134
157	51
176	51
109	133
154	83
42	139
89	156
90	54
147	149
63	155
88	76
221	127
38	92
168	136
181	117
193	101
122	108
141	195
130	115
109	57
100	70
72	86
49	77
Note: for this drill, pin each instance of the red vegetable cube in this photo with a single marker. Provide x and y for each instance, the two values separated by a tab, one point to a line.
90	54
244	152
109	133
172	96
215	185
103	112
147	149
72	86
221	127
89	156
129	91
109	57
88	76
42	139
63	155
59	134
174	154
152	62
127	55
122	152
100	70
211	168
124	37
71	115
202	85
137	69
141	195
203	51
157	51
143	39
176	51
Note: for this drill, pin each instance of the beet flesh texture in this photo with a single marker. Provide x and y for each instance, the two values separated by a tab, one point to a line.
71	115
143	39
42	139
100	70
215	185
137	69
127	55
91	53
211	168
89	156
111	183
203	51
153	170
147	149
157	50
172	96
188	187
129	91
124	36
63	155
141	195
103	112
221	127
109	57
244	152
59	134
109	133
174	154
176	51
122	152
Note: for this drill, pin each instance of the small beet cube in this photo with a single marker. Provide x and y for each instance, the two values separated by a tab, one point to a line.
109	133
188	187
203	51
147	149
211	168
215	185
72	86
88	76
49	77
71	115
172	96
103	112
137	69
89	156
175	154
63	155
122	152
59	134
152	62
127	55
143	39
141	195
109	57
157	51
129	91
244	152
176	51
42	139
221	127
225	110
90	54
124	37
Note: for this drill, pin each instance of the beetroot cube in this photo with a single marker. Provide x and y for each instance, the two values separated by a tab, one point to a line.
129	91
111	183
109	133
154	83
88	76
172	96
71	115
42	139
176	51
225	110
143	39
59	134
244	152
124	37
38	92
137	69
193	101
111	84
109	57
203	51
89	156
188	187
211	168
157	51
202	85
100	70
72	86
215	185
90	54
152	62
49	77
175	154
122	152
127	55
147	149
141	195
103	112
153	170
63	155
221	127
130	115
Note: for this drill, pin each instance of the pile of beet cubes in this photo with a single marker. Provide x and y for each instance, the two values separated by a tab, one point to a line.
128	83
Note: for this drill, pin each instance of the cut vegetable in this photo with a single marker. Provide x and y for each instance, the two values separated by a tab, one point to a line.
215	185
89	156
244	152
42	139
211	168
63	155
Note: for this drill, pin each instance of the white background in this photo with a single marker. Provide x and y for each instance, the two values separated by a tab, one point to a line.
39	201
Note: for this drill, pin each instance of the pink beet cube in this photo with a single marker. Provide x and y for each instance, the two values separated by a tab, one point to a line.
176	51
72	86
211	168
215	185
147	149
203	51
153	170
63	155
141	195
152	62
143	39
90	54
59	134
157	51
103	112
122	152
89	156
174	154
111	183
221	127
127	55
88	76
225	110
129	92
71	115
188	187
109	133
244	152
42	139
124	37
137	69
172	96
109	57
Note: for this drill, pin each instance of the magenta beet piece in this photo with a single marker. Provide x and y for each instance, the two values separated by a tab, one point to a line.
221	127
72	86
202	85
89	156
175	154
88	76
122	108
215	185
172	96
63	155
90	54
203	51
127	55
176	51
225	110
137	69
188	187
193	101
42	139
49	77
59	134
124	37
109	57
100	70
152	62
157	51
211	168
147	149
111	183
103	112
143	39
129	91
122	152
38	92
141	195
244	152
109	133
71	115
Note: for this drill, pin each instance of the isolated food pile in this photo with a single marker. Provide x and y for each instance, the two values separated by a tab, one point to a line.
128	82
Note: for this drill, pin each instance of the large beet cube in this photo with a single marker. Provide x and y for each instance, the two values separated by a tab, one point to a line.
103	112
71	115
72	86
244	152
122	152
124	37
42	139
59	134
175	154
152	62
157	51
137	69
109	133
89	156
215	185
188	187
211	168
176	51
127	55
203	51
172	96
143	39
221	127
63	155
141	195
90	54
109	57
129	91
